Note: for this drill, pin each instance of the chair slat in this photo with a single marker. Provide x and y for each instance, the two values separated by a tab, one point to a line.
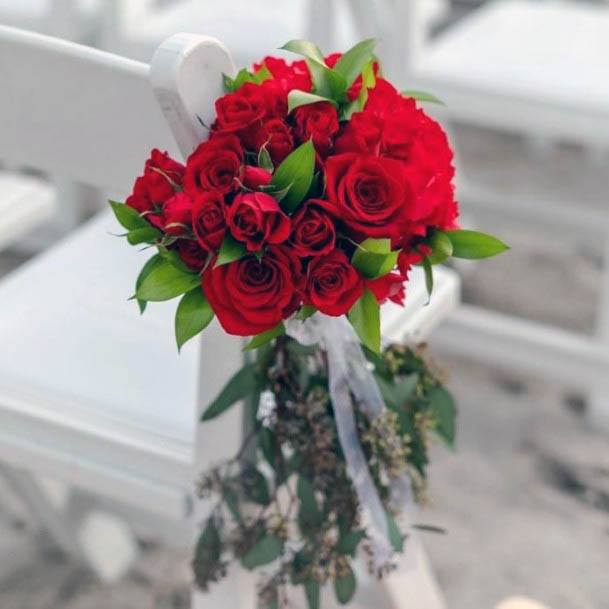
77	112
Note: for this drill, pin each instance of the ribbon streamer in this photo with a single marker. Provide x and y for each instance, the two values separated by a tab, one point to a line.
350	377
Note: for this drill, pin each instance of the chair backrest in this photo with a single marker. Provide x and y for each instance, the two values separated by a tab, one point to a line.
76	112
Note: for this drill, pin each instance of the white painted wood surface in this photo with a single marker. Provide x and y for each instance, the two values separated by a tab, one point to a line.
90	392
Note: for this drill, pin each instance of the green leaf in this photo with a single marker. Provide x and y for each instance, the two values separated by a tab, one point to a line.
441	248
444	409
128	217
297	98
265	551
265	337
365	318
164	281
264	159
262	74
309	516
373	258
305	312
208	545
295	172
422	96
397	394
193	315
395	535
347	543
344	587
326	82
312	590
352	63
243	76
428	276
255	486
306	48
473	245
242	384
368	75
230	250
146	234
146	270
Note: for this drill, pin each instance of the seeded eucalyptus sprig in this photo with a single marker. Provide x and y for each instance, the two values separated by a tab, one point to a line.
285	503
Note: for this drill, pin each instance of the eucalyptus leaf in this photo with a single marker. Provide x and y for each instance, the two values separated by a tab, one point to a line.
396	394
255	486
240	386
267	550
344	587
365	318
474	245
395	535
348	543
164	281
445	412
309	516
312	591
230	250
193	315
295	172
265	337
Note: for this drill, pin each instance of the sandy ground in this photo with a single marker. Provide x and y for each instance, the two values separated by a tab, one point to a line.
524	499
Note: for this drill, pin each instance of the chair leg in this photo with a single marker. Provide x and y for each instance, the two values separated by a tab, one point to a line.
414	579
42	508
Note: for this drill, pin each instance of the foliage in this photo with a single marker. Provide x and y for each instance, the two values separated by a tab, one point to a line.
285	501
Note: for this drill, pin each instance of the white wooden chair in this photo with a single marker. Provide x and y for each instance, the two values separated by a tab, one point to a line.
537	67
92	393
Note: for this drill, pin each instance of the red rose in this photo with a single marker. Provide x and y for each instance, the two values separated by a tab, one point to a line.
313	232
214	165
162	177
388	287
251	296
361	134
239	110
256	219
208	220
318	122
255	177
177	214
277	137
275	99
369	195
333	285
290	76
384	99
192	254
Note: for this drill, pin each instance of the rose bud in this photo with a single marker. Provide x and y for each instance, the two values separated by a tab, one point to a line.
192	254
208	220
277	138
313	232
255	177
250	296
176	214
333	285
214	165
388	287
256	219
161	179
318	122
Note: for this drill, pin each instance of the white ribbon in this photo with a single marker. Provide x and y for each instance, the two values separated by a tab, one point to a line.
350	375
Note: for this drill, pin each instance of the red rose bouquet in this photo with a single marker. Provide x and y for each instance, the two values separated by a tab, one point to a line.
319	187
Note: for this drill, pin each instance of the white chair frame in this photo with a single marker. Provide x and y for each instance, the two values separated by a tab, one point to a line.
56	87
523	346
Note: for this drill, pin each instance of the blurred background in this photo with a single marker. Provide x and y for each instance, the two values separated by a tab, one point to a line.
524	500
